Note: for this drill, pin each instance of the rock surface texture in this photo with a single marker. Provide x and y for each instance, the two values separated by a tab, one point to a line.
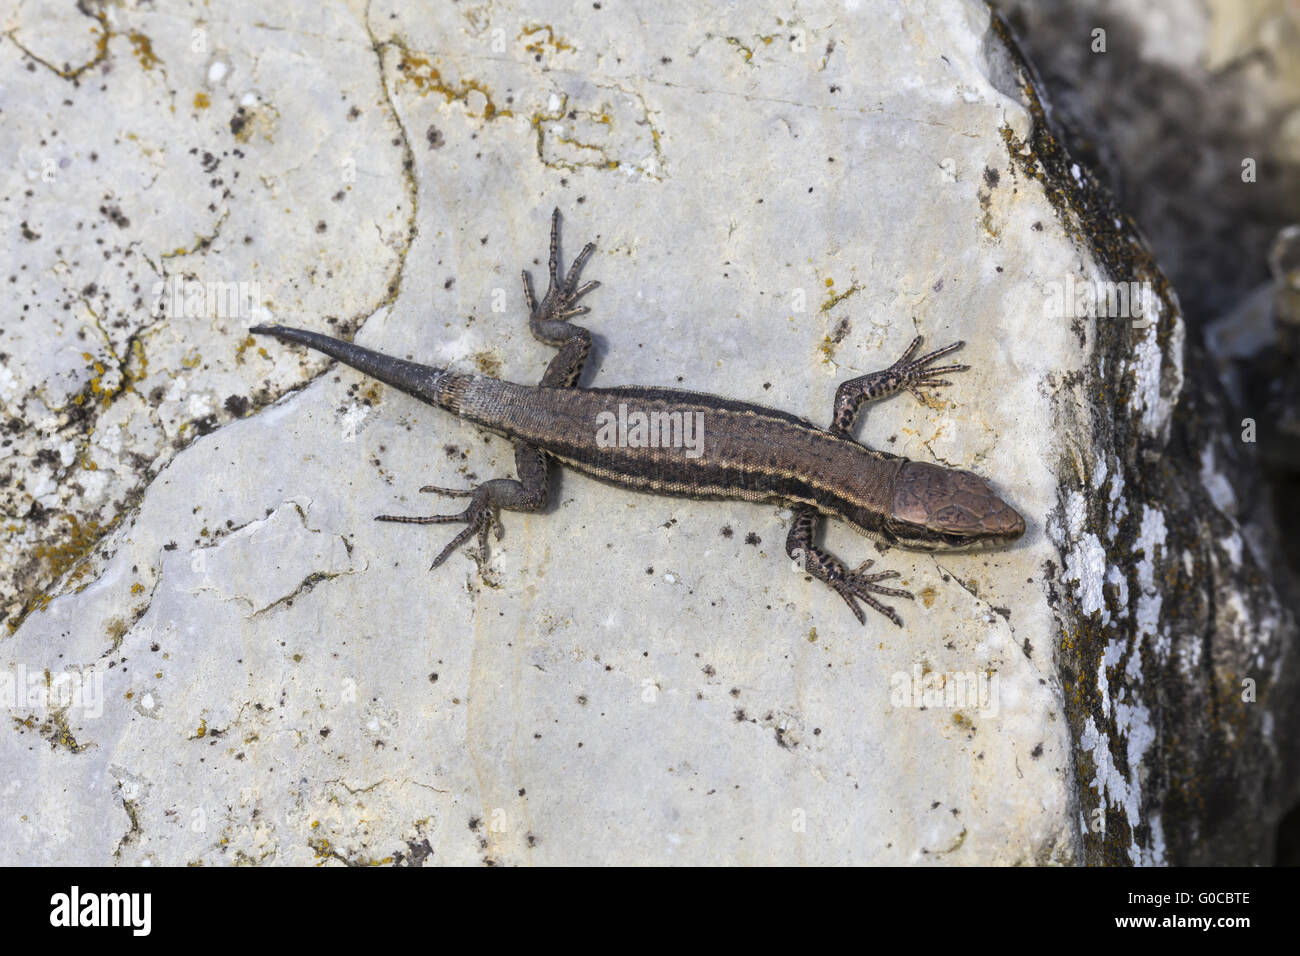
1191	110
215	655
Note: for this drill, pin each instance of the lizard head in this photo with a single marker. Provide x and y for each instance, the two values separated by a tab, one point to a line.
945	509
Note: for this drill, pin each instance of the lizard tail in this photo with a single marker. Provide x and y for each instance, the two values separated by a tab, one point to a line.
429	384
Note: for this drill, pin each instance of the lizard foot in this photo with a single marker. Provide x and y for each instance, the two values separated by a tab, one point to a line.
854	586
481	517
908	373
913	374
563	291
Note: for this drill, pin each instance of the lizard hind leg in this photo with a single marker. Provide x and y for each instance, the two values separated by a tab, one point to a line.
852	586
528	493
549	319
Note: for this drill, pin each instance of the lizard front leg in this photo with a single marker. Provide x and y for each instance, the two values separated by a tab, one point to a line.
549	320
850	585
527	493
906	373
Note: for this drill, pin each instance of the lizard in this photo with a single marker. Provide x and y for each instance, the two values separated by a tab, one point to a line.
743	451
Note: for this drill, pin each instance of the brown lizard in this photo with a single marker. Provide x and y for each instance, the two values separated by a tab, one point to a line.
695	445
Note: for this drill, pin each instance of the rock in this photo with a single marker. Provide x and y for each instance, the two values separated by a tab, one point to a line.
262	673
1191	111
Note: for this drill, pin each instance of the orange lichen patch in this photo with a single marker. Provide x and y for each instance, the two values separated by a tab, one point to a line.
835	298
570	138
53	728
57	559
748	51
745	51
201	101
247	343
142	362
601	159
127	373
80	540
102	35
488	364
38	603
538	46
929	400
321	847
927	596
427	78
116	630
143	48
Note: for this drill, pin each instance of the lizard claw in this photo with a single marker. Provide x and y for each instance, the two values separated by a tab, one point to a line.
563	290
856	587
852	586
915	374
480	517
449	492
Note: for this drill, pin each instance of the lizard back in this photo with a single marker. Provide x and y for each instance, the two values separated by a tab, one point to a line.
686	444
